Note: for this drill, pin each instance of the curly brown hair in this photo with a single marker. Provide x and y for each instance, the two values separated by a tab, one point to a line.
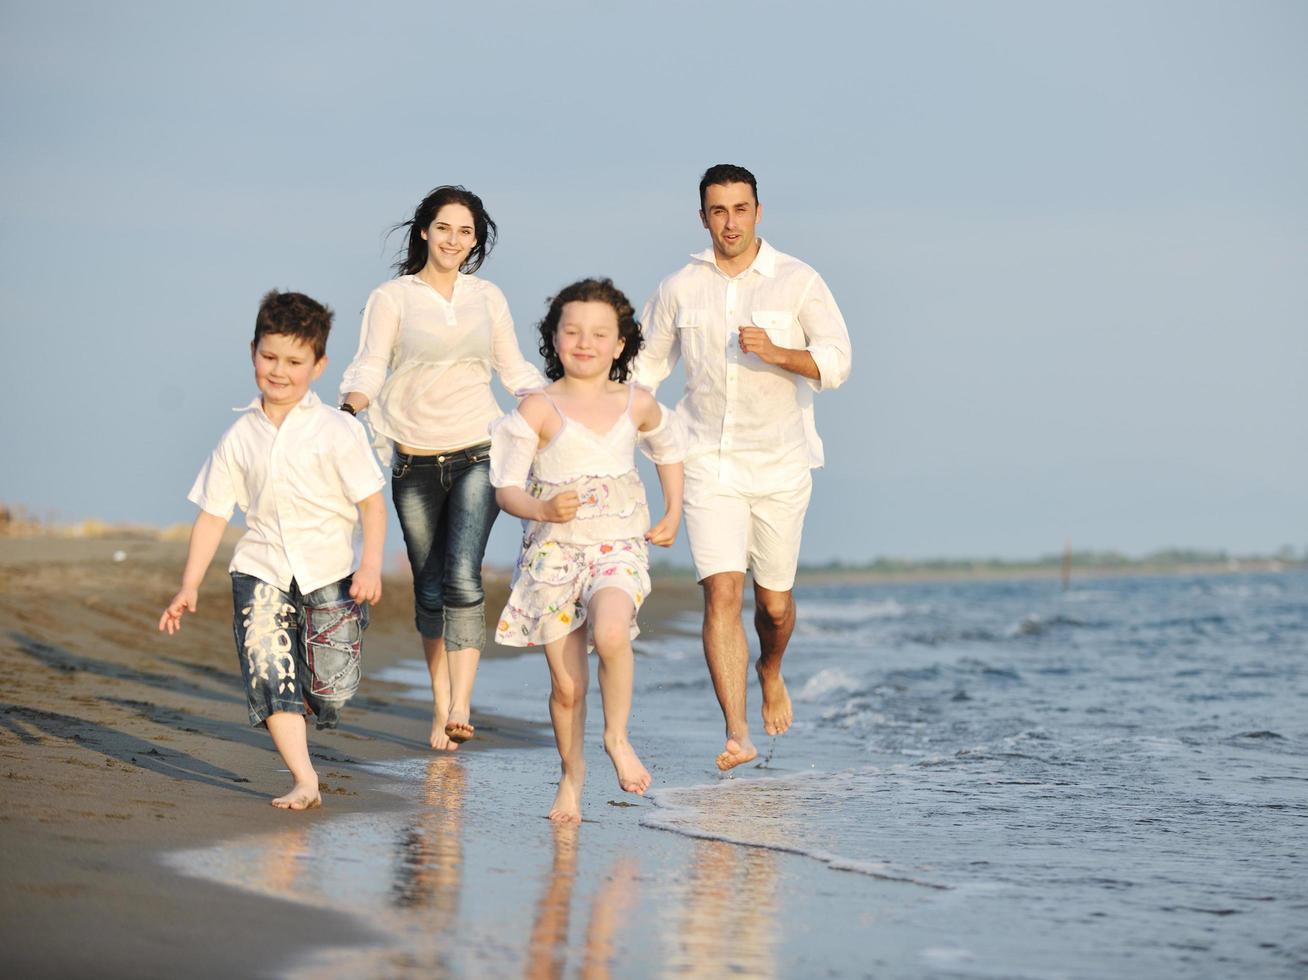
295	315
592	291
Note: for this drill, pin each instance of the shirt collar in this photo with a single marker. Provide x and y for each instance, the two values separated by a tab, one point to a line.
765	263
310	400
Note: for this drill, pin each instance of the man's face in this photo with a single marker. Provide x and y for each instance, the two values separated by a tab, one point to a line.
730	214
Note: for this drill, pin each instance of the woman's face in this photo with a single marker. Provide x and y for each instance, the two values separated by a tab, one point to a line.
450	237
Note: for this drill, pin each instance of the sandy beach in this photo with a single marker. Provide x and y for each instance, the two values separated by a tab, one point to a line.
122	746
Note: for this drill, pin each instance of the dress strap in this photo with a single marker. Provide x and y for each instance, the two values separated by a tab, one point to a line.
631	398
563	418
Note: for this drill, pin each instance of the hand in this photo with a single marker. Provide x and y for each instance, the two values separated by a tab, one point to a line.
664	533
366	585
561	508
755	340
183	602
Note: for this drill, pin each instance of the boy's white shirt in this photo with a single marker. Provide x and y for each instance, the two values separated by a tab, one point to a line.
298	486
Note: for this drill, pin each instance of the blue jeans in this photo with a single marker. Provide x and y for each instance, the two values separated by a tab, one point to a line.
446	506
297	649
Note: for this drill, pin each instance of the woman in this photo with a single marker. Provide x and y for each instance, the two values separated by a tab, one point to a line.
429	341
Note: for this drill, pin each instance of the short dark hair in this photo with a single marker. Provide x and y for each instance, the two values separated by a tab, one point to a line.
592	291
726	173
294	315
410	259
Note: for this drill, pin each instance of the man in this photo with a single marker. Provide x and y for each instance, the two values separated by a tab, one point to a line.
758	332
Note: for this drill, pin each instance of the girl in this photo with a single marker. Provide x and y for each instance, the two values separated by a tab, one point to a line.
429	342
563	462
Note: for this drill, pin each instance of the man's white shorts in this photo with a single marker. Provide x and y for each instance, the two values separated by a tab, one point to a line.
731	530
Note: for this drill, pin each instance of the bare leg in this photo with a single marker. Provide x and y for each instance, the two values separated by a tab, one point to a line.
727	654
439	668
610	622
291	738
463	675
774	619
569	677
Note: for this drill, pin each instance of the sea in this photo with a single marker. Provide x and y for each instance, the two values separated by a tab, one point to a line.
983	779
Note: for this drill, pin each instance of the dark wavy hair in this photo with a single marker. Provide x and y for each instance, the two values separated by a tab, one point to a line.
295	315
410	259
726	173
592	291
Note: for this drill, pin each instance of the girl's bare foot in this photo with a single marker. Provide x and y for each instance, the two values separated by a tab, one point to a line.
567	801
737	751
632	776
777	713
303	796
458	728
439	740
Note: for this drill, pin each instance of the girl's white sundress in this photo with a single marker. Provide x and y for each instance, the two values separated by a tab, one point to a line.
562	566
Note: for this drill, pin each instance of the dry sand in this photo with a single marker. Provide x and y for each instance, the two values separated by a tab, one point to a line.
118	743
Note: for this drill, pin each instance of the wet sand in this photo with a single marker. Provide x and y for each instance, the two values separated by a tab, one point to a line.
119	745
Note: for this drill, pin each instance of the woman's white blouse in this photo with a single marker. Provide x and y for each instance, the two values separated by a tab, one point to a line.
425	362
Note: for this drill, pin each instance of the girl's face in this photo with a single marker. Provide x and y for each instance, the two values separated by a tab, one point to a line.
587	339
450	237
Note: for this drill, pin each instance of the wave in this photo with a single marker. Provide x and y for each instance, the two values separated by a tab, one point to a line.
676	811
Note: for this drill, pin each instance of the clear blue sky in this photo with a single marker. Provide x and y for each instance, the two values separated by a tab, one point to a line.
1070	239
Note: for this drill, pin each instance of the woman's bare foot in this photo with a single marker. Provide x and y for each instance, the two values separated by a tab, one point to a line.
439	740
303	796
736	752
632	776
458	727
567	801
777	713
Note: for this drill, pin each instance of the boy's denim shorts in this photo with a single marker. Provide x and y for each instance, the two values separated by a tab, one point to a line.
297	650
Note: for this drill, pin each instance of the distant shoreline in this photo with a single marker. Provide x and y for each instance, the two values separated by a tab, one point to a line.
1084	565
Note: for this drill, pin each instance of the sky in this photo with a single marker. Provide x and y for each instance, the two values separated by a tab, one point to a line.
1070	240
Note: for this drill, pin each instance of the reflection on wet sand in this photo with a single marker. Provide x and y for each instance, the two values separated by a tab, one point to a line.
547	949
725	923
430	855
281	859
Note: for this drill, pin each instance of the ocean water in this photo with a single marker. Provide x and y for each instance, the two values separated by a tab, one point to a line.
1108	781
983	780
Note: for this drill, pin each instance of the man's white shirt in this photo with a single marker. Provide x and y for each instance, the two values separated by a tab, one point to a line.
751	424
298	485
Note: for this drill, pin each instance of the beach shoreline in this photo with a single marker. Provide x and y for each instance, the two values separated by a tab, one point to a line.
119	745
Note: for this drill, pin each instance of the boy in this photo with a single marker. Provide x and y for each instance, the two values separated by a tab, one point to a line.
305	477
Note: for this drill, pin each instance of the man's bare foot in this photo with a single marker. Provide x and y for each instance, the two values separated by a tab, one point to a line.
567	801
777	713
439	740
736	752
632	776
303	796
459	729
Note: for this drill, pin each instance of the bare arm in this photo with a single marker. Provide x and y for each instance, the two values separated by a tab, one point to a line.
367	586
558	509
755	340
206	535
672	480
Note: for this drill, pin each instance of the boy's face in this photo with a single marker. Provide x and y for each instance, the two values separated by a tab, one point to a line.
587	339
284	367
730	214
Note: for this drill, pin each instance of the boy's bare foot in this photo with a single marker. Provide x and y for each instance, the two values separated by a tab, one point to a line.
777	713
567	801
459	729
736	752
632	776
439	740
303	796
